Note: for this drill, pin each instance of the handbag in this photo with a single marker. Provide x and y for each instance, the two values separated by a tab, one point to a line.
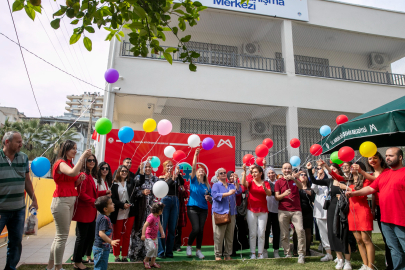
327	201
223	219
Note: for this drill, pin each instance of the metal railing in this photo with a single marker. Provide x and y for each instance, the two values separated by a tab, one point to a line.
220	59
351	74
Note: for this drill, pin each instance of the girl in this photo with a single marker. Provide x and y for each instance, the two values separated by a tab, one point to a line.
104	176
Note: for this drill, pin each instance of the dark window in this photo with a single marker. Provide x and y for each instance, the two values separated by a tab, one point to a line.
307	137
215	54
308	65
280	144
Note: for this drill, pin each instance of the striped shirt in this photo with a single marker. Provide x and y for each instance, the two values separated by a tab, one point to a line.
12	181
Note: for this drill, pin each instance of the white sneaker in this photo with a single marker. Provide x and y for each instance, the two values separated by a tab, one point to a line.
252	256
363	267
189	251
347	265
199	254
301	259
336	260
265	254
288	256
339	264
276	255
260	257
320	247
327	258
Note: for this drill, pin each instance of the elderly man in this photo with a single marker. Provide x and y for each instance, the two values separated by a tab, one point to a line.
14	179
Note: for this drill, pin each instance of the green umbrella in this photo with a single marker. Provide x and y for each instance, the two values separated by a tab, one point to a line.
384	126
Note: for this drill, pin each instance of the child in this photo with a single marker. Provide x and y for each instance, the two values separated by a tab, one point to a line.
149	235
104	229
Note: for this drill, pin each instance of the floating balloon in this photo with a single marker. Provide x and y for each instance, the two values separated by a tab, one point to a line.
208	143
346	153
248	159
295	161
126	134
155	162
169	151
149	125
315	150
295	143
103	126
164	127
111	75
259	161
268	142
160	189
179	155
335	158
40	166
193	140
325	130
368	149
341	119
261	150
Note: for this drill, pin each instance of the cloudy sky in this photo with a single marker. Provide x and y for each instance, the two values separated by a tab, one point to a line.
50	85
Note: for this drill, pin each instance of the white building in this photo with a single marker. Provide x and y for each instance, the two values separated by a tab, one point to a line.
79	103
280	75
11	114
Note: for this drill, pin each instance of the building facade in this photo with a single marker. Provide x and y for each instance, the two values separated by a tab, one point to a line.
10	114
76	104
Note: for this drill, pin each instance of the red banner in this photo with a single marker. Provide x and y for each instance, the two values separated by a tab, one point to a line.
221	156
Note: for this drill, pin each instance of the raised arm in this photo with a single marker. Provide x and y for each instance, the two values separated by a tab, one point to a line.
243	181
65	169
194	169
366	175
312	178
362	192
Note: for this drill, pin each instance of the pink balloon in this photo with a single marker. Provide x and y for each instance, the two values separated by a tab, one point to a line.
164	127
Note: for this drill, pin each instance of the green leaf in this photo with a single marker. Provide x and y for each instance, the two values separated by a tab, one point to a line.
136	25
70	12
118	37
192	67
89	29
197	4
171	49
180	11
140	12
60	12
168	57
109	36
176	6
74	21
121	33
186	38
105	11
85	5
74	38
55	23
18	5
194	54
175	30
37	9
30	12
87	43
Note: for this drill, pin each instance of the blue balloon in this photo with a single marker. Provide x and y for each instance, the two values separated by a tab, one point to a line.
295	161
325	130
155	162
40	166
126	134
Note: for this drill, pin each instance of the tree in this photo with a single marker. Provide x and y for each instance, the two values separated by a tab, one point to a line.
54	132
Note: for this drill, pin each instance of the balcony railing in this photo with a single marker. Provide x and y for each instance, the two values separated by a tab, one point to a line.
220	59
350	74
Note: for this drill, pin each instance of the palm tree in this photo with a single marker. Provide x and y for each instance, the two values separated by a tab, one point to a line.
8	126
55	132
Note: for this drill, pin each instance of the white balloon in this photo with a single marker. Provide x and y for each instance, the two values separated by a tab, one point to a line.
169	151
160	189
193	140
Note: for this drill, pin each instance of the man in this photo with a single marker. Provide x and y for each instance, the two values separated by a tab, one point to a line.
346	169
14	179
289	210
128	163
391	185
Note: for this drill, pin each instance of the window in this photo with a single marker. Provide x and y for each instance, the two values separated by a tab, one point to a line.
280	144
308	65
307	136
215	54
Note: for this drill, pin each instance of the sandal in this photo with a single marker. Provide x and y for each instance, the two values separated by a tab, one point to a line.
155	265
147	266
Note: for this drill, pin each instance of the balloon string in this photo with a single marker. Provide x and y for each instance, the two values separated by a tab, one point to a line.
151	148
122	148
278	152
185	157
138	146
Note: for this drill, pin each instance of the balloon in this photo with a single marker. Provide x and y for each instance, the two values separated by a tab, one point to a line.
315	150
295	143
103	126
325	130
346	153
261	150
248	159
268	142
169	151
208	143
295	161
193	140
164	127
179	155
335	158
111	75
259	161
149	125
160	189
368	149
40	166
126	134
155	162
341	119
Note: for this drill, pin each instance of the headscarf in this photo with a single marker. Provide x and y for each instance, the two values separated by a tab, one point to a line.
267	171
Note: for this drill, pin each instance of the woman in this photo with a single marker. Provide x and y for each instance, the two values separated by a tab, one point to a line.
182	221
257	208
170	215
85	213
272	220
224	202
64	198
104	179
197	207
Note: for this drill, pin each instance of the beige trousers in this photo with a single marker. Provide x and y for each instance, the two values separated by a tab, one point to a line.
221	233
62	210
284	218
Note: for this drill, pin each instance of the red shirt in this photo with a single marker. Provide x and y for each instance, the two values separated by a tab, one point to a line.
257	202
391	185
377	194
65	185
292	202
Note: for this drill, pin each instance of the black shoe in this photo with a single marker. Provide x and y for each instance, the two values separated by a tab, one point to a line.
124	260
162	256
117	260
77	268
169	256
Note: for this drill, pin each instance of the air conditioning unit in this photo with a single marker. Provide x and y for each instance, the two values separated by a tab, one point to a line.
378	61
252	48
258	127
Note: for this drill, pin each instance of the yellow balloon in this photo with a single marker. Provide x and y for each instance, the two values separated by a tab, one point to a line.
368	149
149	125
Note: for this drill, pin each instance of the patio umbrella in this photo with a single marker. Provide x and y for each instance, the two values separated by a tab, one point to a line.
384	126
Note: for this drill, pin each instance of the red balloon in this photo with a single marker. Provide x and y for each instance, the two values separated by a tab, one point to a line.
261	150
259	161
341	119
179	155
268	142
248	159
295	143
346	154
315	150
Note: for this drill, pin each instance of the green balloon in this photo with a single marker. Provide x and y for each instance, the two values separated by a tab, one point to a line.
103	126
335	159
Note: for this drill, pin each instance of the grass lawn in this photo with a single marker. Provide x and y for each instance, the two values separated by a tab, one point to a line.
277	264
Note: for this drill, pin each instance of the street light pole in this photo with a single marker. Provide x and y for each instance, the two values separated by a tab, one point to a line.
90	122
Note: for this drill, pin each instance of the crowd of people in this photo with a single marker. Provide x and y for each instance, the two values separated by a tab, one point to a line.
119	211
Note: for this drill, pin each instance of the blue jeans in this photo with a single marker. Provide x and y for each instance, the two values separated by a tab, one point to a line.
101	257
395	237
169	221
14	220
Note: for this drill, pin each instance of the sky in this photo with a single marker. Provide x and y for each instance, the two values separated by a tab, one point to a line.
51	86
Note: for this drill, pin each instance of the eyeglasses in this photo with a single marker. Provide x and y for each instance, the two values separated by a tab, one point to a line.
104	169
319	168
222	173
303	174
124	171
91	160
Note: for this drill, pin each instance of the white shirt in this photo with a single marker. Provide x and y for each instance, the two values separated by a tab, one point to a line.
102	186
123	197
272	203
321	194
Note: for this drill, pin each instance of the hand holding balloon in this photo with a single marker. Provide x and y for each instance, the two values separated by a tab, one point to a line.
309	166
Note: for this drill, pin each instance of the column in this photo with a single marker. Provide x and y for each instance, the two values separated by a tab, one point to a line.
292	130
287	47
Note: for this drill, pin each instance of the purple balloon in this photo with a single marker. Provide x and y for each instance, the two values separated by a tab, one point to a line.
208	143
111	75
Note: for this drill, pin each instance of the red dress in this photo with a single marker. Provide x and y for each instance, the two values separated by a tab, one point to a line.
360	217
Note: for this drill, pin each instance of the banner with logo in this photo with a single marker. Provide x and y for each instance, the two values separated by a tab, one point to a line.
221	156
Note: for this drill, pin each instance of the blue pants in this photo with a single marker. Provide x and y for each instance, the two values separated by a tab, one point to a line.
395	237
169	221
14	220
101	257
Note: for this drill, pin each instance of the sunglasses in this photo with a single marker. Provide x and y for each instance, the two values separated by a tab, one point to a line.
91	160
104	169
124	171
222	173
303	174
319	168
